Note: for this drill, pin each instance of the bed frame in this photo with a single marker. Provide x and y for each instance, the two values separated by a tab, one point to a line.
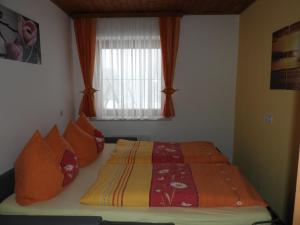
7	183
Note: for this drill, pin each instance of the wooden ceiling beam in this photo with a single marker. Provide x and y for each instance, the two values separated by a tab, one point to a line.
124	14
150	8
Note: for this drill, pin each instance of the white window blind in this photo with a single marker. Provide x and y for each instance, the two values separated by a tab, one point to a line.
128	69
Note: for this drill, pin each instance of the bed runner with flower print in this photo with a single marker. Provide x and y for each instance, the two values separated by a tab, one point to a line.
172	185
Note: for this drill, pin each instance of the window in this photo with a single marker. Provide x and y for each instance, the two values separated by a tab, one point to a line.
128	70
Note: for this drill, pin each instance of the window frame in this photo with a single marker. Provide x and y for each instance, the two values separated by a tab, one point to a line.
158	111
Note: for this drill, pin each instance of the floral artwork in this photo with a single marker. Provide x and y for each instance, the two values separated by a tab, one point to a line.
19	37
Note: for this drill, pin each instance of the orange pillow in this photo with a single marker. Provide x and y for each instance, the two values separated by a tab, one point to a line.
64	155
37	174
84	123
84	145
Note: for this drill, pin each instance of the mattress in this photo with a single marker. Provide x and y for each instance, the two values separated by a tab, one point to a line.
67	203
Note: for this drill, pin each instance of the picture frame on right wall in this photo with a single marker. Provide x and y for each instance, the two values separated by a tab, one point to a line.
285	68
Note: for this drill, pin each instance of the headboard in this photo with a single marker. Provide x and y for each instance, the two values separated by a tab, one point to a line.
7	184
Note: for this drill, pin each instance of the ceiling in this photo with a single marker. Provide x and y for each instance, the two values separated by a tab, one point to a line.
113	8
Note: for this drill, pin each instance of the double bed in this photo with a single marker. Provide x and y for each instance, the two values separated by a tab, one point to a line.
67	203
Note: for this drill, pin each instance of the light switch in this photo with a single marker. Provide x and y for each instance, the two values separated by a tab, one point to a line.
268	119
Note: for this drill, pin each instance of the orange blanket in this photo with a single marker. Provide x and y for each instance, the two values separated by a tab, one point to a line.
171	185
163	152
223	185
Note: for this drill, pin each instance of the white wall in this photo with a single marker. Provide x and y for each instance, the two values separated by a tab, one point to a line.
205	76
31	96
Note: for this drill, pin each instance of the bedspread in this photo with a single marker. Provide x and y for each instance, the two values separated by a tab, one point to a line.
165	152
171	185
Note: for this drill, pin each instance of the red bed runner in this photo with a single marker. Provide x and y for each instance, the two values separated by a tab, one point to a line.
164	152
173	185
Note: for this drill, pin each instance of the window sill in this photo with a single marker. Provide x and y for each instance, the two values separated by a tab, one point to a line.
139	120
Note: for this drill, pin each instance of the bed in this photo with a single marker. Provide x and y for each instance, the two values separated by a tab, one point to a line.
68	204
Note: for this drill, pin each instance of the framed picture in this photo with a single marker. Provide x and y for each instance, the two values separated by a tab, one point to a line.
285	71
19	37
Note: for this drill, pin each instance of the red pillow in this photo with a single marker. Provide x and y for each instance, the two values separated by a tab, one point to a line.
37	173
84	145
64	154
70	166
84	123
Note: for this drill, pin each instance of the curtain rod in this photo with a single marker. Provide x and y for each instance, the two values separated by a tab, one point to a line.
125	14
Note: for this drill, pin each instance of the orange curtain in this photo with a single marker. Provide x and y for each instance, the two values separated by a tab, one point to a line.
169	38
85	31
